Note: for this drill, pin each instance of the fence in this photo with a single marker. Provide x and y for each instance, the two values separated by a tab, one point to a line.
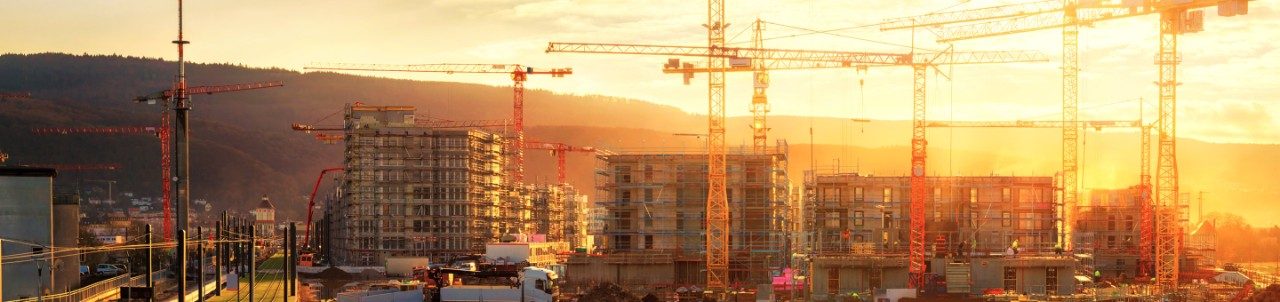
87	293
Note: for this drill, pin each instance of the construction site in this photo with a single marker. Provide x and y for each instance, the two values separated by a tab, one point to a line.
420	190
425	206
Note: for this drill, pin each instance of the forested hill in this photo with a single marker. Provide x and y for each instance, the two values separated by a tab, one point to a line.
242	146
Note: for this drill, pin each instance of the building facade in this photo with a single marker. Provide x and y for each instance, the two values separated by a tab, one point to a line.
264	218
656	204
411	190
860	226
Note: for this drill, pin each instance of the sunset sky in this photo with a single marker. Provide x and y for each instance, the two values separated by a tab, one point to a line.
1228	71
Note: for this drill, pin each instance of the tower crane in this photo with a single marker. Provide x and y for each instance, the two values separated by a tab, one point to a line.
759	95
178	99
160	132
15	95
559	150
802	59
519	73
1176	17
170	99
80	167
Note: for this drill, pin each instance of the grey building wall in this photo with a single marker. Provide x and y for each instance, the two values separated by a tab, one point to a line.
26	207
66	233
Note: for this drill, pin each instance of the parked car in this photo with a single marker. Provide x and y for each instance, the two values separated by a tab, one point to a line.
84	270
109	269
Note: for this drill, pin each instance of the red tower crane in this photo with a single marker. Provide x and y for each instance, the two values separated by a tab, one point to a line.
15	95
160	132
519	73
165	131
559	150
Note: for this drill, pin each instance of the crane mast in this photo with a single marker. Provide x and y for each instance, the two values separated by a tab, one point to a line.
559	150
759	96
717	199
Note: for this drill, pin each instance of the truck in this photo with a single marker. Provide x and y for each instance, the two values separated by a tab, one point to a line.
403	266
531	284
533	253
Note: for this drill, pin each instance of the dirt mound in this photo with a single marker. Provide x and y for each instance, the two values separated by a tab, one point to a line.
328	273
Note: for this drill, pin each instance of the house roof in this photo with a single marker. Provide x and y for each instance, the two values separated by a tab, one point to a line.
266	203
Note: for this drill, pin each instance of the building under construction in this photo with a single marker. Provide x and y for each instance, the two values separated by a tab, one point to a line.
1109	228
982	233
654	234
418	191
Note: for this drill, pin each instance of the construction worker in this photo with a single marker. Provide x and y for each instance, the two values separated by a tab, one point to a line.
1015	246
1057	248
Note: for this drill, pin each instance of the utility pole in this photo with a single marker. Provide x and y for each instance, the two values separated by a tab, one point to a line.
252	269
181	259
183	161
284	247
150	255
199	264
217	258
293	266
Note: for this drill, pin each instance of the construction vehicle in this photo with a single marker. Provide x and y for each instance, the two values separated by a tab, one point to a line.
530	284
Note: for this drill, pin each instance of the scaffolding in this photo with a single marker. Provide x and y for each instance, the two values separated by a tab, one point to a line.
420	191
1109	227
854	214
655	203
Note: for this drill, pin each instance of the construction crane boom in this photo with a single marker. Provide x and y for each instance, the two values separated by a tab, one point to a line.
15	95
971	15
97	130
1042	20
850	58
1034	124
163	139
559	150
311	203
464	124
169	94
519	74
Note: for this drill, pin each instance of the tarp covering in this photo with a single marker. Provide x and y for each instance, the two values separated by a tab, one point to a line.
1235	278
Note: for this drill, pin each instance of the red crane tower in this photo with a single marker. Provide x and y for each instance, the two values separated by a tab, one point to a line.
159	132
559	150
519	73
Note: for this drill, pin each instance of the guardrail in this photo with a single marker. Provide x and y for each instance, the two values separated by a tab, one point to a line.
96	289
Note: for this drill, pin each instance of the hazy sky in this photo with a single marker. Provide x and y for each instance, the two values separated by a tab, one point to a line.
1229	85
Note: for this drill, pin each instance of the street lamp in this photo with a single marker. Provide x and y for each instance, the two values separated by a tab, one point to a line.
37	250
